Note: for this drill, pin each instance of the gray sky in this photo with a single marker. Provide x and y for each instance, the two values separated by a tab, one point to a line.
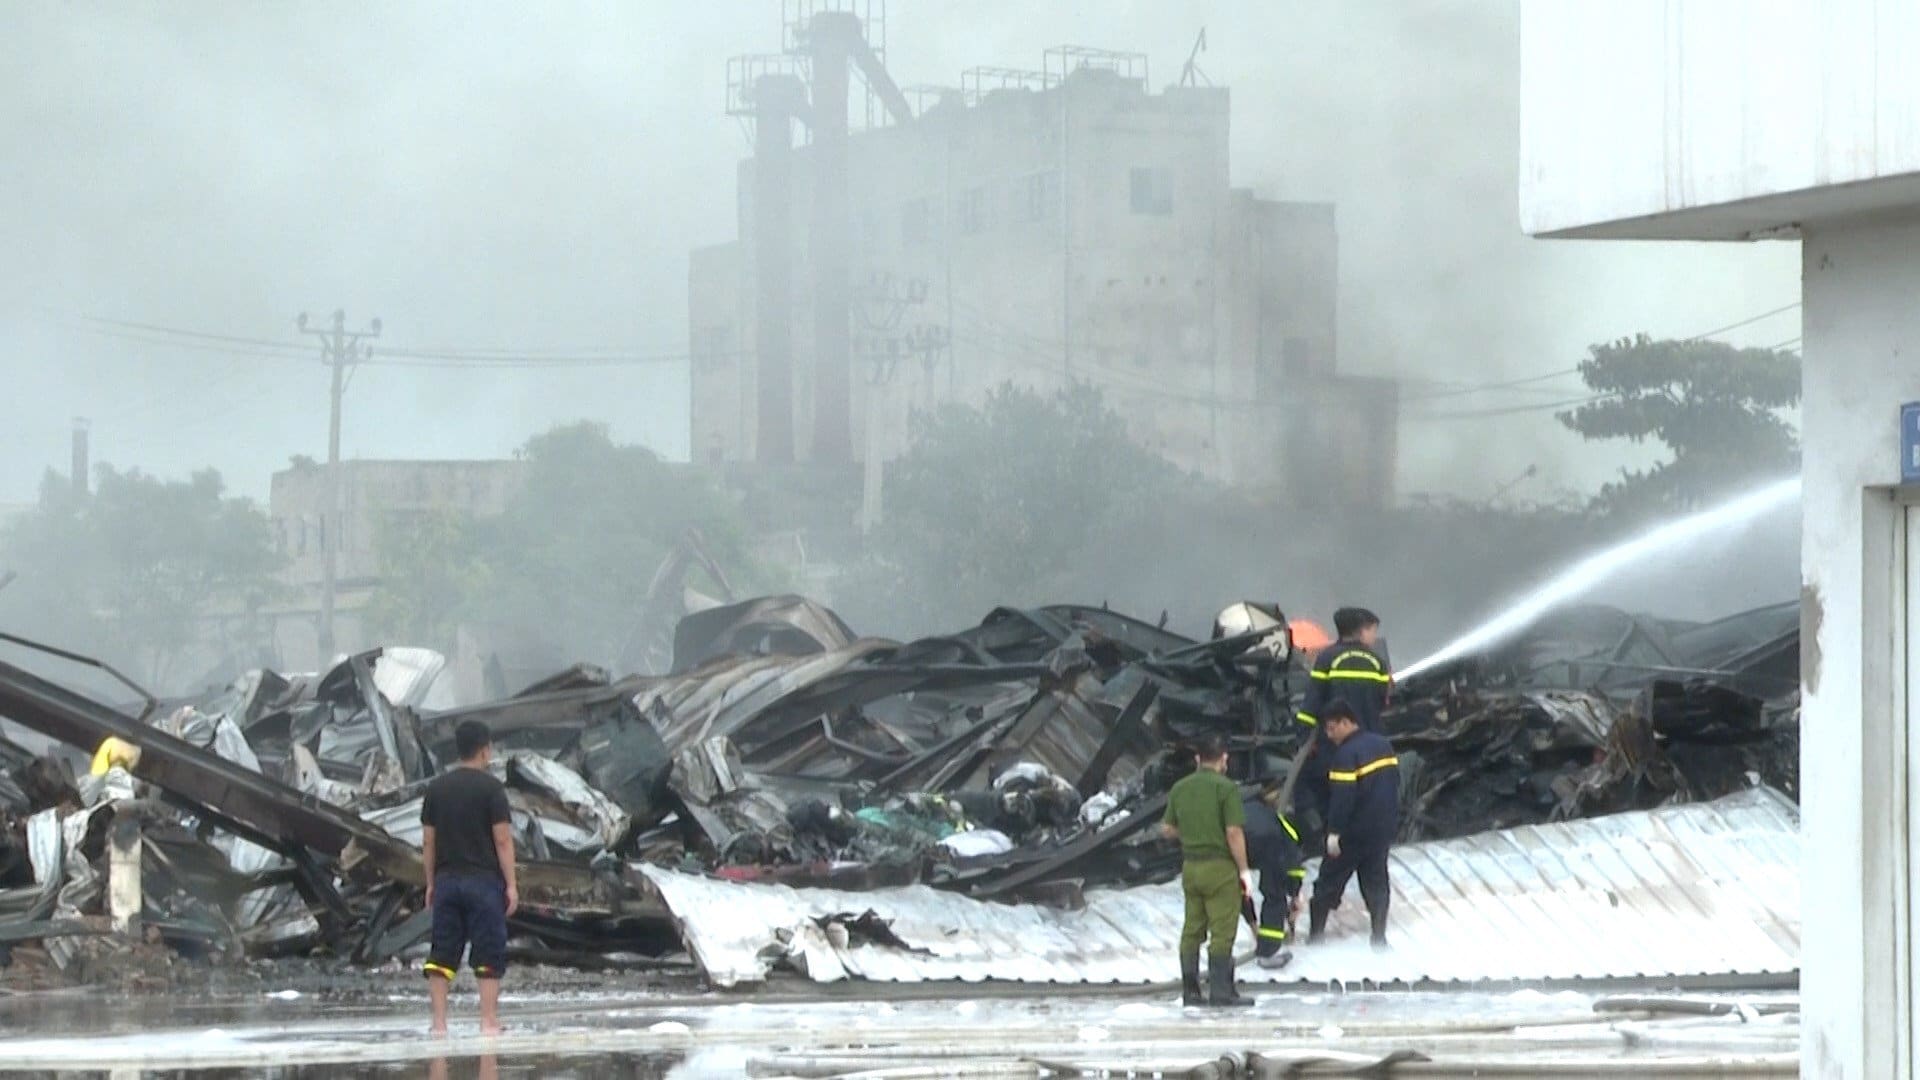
491	174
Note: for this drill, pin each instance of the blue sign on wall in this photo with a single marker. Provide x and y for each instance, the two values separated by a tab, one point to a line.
1910	443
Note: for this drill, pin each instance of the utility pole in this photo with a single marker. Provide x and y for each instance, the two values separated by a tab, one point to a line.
338	348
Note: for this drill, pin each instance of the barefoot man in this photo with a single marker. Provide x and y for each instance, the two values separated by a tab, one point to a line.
467	850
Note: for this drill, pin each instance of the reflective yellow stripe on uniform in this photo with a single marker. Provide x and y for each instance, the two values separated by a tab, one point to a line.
1370	767
1307	718
441	970
1301	873
1272	933
1353	676
1288	825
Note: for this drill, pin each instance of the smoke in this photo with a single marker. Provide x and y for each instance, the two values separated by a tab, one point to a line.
501	175
495	175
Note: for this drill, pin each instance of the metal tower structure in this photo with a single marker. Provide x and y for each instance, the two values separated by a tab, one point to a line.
824	44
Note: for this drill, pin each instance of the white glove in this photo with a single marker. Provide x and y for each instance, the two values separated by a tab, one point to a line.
1333	847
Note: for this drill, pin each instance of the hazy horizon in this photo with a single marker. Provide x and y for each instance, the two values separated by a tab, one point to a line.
492	176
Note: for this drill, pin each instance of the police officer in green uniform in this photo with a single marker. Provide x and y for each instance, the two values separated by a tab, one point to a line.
1205	815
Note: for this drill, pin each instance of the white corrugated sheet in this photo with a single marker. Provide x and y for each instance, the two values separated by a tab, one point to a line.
1708	889
405	675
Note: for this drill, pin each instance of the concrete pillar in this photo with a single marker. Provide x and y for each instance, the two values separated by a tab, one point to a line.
830	36
777	98
1862	346
125	849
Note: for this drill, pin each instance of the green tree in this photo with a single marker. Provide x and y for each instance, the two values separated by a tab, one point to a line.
141	568
571	556
1716	408
432	575
1005	504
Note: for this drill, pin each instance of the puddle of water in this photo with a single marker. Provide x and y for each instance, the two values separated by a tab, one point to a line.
588	1066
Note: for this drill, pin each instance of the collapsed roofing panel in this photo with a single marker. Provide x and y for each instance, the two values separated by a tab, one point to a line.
1022	761
1705	889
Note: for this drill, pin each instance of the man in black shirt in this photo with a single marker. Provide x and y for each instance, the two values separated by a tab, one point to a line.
467	851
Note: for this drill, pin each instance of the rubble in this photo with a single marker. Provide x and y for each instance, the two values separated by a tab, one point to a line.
1020	760
1595	711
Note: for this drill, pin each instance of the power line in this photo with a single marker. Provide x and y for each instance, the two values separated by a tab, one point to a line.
125	324
190	345
479	357
425	358
1481	388
1575	370
1510	410
1744	322
480	352
1474	387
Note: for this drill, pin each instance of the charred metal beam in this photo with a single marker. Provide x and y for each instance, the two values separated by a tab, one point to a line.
397	937
263	809
1125	730
15	931
941	752
1069	856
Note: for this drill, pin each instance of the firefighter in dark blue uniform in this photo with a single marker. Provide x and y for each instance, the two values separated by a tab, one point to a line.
1273	850
1362	817
1351	670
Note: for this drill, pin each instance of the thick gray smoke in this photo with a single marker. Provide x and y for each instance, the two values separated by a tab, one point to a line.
500	175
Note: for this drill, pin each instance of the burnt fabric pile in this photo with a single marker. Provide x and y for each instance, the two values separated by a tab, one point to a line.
1594	711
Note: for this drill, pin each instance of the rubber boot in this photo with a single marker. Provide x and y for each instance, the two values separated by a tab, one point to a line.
1220	988
1316	920
1274	961
1190	992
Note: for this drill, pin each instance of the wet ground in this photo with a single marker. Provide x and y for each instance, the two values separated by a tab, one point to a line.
376	1027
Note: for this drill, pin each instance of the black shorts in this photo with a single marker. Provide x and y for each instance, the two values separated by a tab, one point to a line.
469	916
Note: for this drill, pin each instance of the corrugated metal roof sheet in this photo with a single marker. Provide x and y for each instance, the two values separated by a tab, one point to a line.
1695	890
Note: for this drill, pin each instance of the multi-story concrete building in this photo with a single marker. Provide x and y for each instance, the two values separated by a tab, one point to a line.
1036	228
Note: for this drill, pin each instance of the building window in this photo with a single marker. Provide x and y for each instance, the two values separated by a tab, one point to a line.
916	222
1153	191
976	213
1037	197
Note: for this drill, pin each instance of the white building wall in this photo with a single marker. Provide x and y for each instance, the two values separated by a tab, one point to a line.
1634	112
1863	342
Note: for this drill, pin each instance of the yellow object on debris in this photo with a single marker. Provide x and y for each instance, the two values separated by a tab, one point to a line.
115	751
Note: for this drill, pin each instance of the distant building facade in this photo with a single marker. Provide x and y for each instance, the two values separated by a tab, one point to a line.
371	494
1077	228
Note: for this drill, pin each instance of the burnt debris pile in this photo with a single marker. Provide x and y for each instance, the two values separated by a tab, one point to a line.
1021	760
1595	711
